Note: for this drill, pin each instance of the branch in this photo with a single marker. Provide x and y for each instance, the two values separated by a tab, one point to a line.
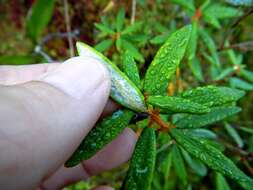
133	11
68	27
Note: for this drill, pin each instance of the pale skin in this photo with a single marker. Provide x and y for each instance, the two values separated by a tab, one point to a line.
45	112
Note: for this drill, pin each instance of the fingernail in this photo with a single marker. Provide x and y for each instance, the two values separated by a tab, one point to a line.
77	76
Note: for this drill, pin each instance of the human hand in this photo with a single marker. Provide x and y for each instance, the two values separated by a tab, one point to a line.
45	111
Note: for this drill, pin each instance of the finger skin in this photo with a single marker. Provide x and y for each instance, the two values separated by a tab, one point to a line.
12	75
112	155
42	125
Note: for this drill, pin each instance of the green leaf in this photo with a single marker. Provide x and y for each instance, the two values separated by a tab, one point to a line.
187	4
123	90
212	95
212	157
166	165
192	45
234	134
105	132
104	45
178	164
17	60
225	73
104	28
130	69
239	83
159	39
141	169
196	69
247	130
169	104
128	46
216	114
197	166
120	20
118	44
210	44
201	133
132	28
213	21
222	12
247	74
166	61
160	28
38	18
220	182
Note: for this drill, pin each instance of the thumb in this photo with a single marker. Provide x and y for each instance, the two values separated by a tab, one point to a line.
49	118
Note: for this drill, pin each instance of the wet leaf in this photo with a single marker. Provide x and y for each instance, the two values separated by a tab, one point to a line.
105	132
130	69
168	104
123	90
213	95
140	172
216	114
166	61
212	157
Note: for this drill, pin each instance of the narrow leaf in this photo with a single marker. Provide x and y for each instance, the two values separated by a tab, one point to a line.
210	44
17	59
105	131
220	11
239	83
38	18
197	166
220	182
120	20
212	95
187	4
140	172
169	104
225	73
248	75
212	158
166	61
178	164
123	90
130	69
216	114
104	45
196	69
128	46
234	134
159	39
104	28
132	28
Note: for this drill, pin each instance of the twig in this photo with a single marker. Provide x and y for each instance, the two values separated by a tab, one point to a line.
39	51
68	27
229	31
133	11
243	46
58	35
247	165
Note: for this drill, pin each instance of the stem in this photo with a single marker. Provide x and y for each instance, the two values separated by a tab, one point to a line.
68	27
155	117
133	11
